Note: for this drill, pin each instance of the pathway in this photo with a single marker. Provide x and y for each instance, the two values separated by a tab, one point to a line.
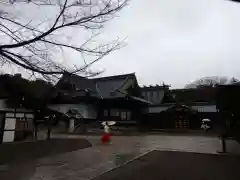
88	163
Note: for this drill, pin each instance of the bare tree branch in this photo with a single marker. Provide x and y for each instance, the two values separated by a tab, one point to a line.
81	20
32	46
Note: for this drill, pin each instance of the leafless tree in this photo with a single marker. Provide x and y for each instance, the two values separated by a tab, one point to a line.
31	45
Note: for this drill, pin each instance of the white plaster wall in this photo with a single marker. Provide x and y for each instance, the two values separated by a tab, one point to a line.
87	111
204	108
207	108
71	125
8	136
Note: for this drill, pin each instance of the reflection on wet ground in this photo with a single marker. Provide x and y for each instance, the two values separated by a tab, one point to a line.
88	163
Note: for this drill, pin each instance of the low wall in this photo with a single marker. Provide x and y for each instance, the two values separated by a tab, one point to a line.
24	151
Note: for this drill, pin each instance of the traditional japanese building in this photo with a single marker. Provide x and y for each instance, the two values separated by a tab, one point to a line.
76	101
120	98
115	98
15	120
22	107
179	108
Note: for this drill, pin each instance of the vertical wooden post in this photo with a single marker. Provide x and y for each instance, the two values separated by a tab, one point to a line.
49	133
35	127
49	127
35	132
2	124
223	141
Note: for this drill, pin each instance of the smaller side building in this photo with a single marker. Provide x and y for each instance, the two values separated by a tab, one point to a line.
179	108
16	123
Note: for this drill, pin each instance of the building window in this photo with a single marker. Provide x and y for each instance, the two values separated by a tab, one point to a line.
150	96
128	115
125	115
117	113
105	112
114	112
144	94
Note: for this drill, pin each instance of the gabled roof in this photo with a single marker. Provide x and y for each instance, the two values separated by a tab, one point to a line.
121	76
104	87
79	82
205	94
154	94
111	87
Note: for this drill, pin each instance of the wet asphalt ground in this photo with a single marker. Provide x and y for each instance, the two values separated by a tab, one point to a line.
175	165
89	163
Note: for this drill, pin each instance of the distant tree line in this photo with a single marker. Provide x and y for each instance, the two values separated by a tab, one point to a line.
22	92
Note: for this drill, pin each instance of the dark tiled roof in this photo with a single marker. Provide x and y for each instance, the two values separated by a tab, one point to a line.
154	88
207	94
78	81
156	97
114	86
155	94
122	76
104	87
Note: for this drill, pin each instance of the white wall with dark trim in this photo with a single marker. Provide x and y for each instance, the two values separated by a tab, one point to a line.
86	110
206	108
199	108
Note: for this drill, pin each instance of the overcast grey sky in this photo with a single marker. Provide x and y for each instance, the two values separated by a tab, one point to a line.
175	41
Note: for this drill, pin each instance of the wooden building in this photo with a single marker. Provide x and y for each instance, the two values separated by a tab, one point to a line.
120	98
115	98
16	124
20	100
179	108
